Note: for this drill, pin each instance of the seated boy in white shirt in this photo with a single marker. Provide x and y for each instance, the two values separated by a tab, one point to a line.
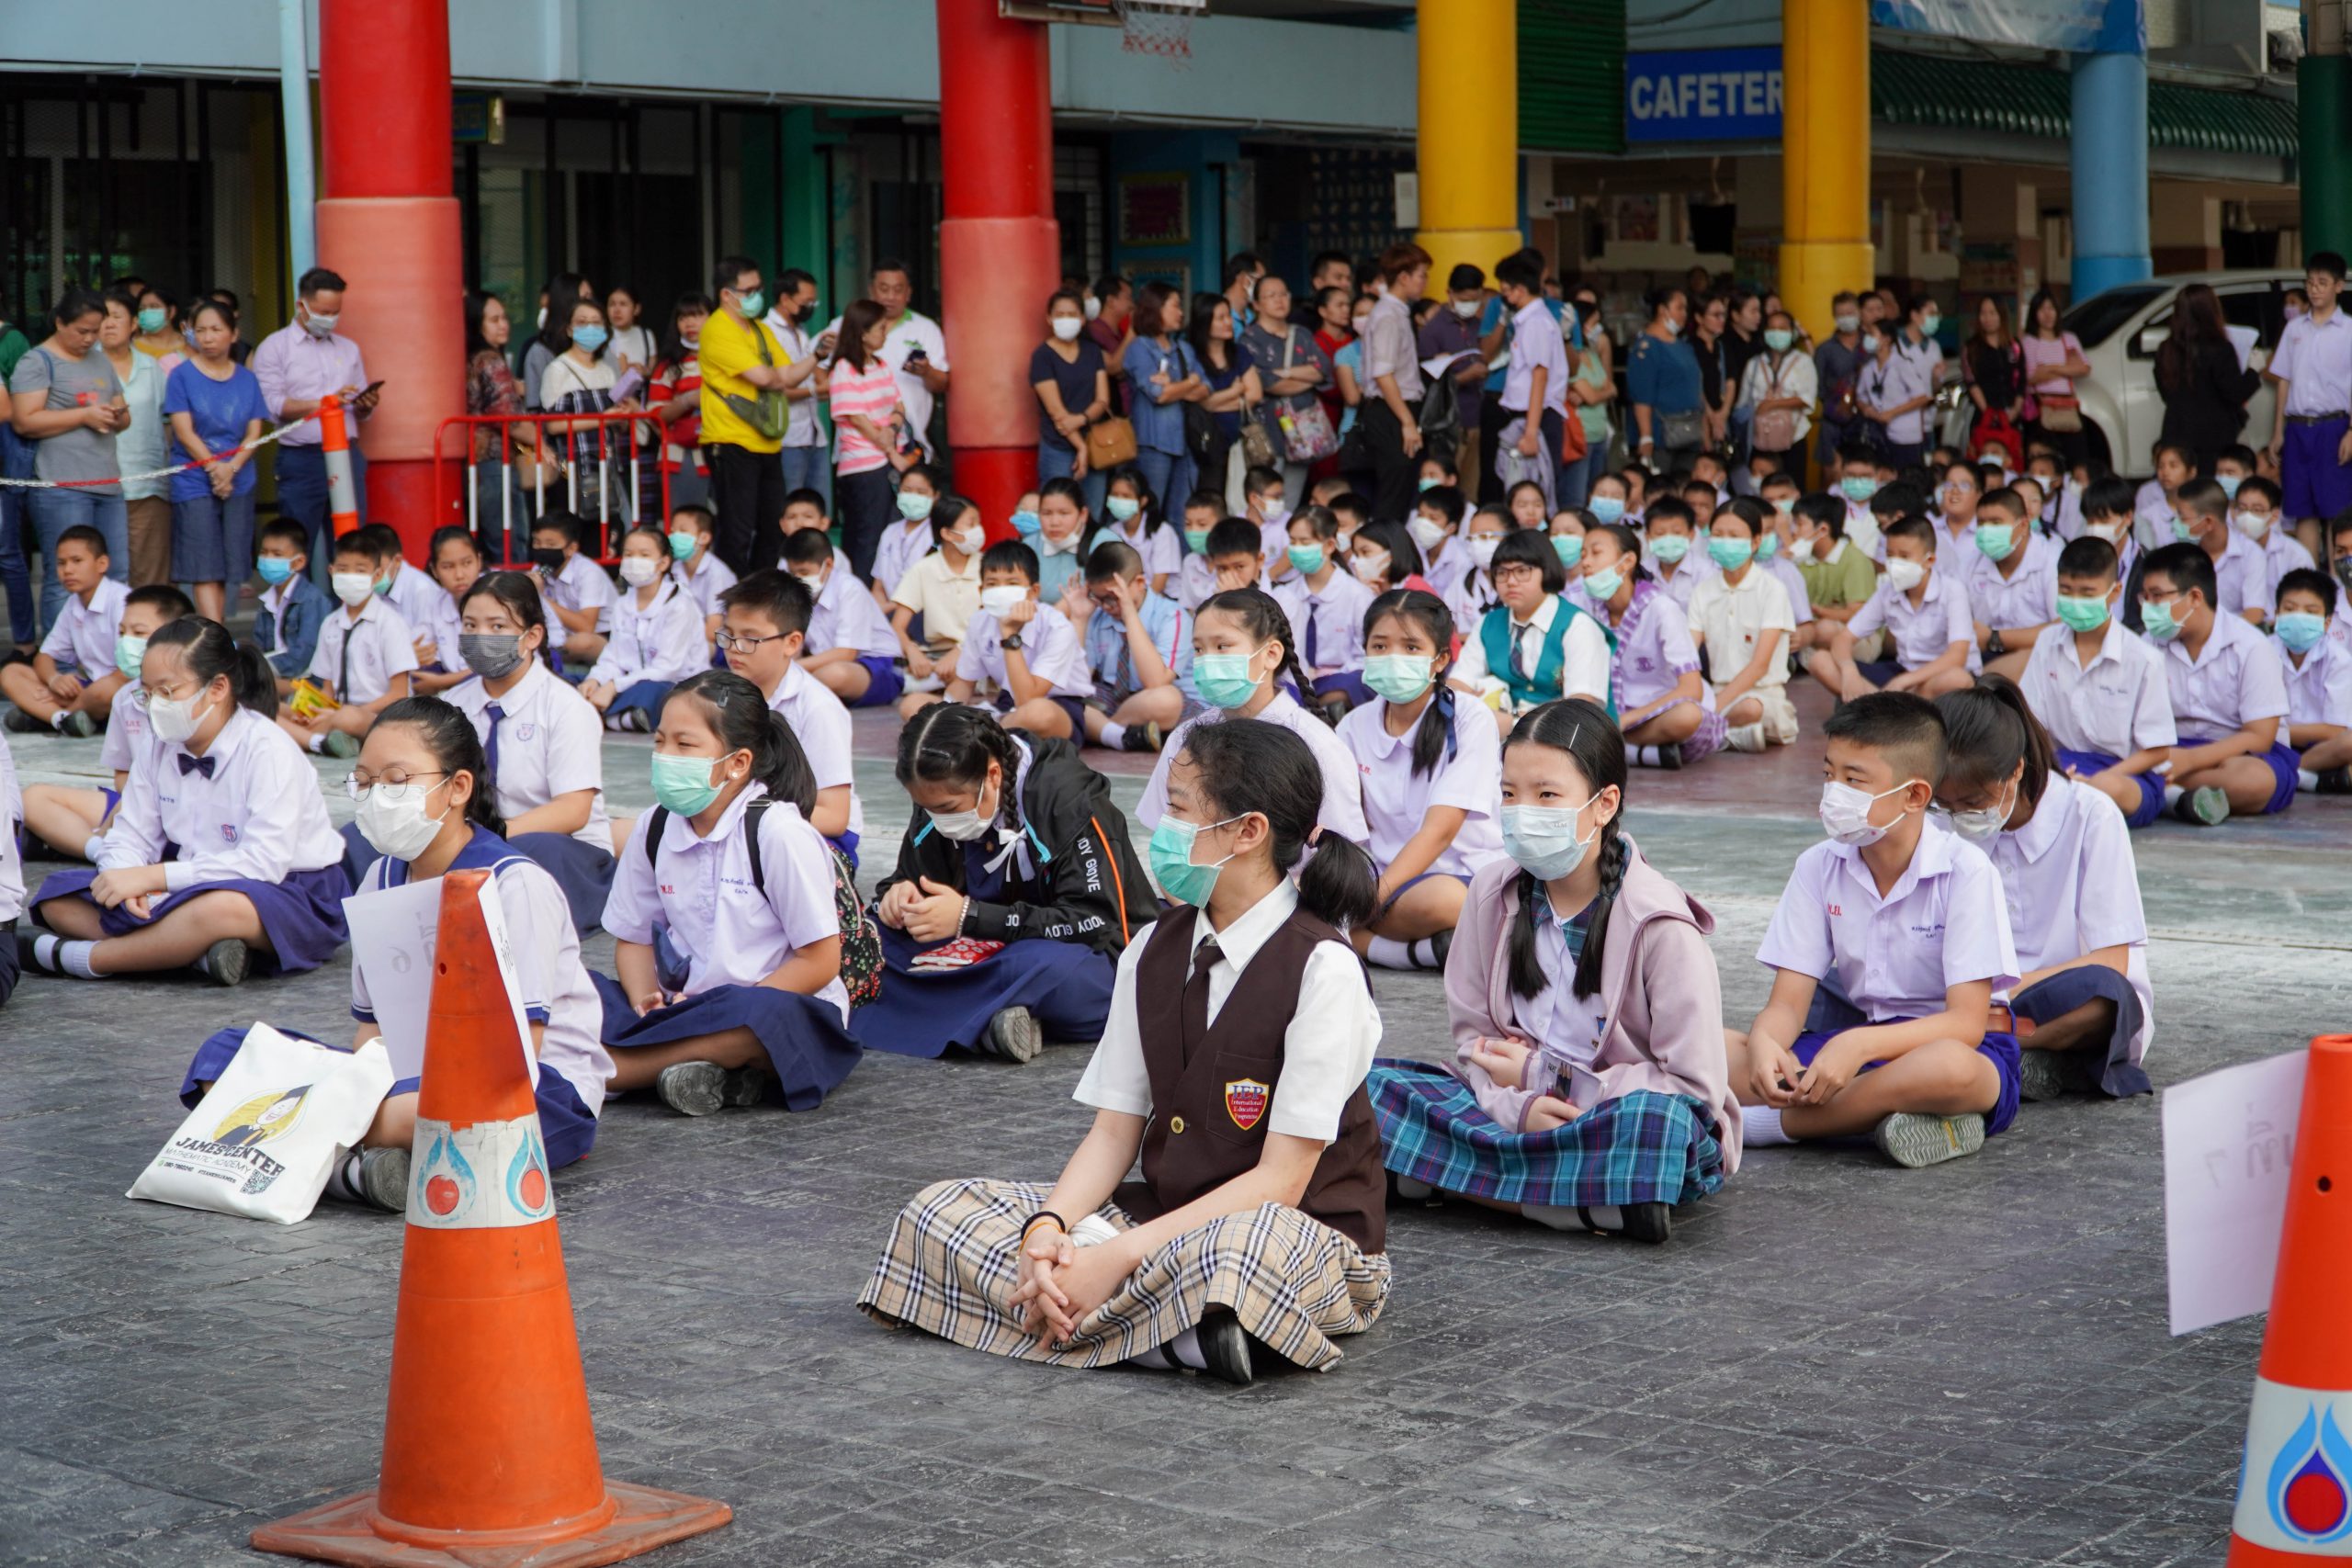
70	683
576	588
1924	611
1027	650
696	566
851	649
363	661
2318	668
2100	689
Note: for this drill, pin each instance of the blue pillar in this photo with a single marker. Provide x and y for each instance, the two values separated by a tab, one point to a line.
2109	157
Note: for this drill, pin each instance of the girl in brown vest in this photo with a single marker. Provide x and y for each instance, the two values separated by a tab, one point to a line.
1589	1088
1233	1062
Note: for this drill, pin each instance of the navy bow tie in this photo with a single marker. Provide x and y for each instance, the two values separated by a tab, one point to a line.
196	765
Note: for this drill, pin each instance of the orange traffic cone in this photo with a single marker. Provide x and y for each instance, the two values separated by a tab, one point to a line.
488	1453
2295	1488
334	447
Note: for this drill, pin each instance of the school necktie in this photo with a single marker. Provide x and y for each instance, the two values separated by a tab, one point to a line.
1314	660
497	715
196	765
1519	649
1195	1005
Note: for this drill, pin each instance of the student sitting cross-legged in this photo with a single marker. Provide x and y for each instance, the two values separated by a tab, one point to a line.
72	684
850	650
1539	644
1233	1062
657	636
1014	891
2083	1005
766	620
362	663
1138	648
1905	920
1923	605
2229	696
70	818
2317	666
1657	688
2100	689
1588	1086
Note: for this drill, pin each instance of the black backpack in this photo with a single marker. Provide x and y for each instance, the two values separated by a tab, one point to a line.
861	939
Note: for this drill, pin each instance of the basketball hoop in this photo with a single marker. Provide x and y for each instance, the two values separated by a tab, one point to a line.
1162	29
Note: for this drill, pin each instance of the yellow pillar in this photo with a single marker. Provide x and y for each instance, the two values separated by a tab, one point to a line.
1825	155
1468	142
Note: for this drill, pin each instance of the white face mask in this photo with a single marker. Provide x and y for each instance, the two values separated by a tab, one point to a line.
999	601
1845	813
1370	566
1482	550
393	818
1093	308
965	826
971	541
353	588
1427	534
1466	309
1066	328
1984	825
1905	574
1275	512
2112	532
636	571
173	720
816	585
2253	524
1802	549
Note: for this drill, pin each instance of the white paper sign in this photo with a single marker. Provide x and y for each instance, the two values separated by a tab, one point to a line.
392	933
2229	1143
2242	339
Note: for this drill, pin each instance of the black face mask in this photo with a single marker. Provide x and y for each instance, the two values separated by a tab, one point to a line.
548	561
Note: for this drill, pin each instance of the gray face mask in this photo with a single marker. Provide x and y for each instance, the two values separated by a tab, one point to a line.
493	656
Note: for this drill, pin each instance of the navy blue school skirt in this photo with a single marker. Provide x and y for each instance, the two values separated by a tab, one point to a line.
884	683
2001	1050
565	1121
808	1048
1643	1147
2071	988
302	915
645	695
2152	785
921	1014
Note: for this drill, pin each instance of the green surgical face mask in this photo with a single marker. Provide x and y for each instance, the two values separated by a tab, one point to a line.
2083	615
1172	861
1224	680
1196	540
684	785
1779	340
1400	677
682	543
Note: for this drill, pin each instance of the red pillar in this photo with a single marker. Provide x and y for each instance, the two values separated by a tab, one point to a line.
999	249
388	223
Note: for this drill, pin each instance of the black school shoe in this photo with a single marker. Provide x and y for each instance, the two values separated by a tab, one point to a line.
1015	1035
1144	737
698	1089
226	962
2054	1075
1226	1348
2336	780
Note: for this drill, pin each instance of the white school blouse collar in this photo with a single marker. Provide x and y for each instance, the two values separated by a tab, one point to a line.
1250	930
728	819
2059	803
1547	610
227	745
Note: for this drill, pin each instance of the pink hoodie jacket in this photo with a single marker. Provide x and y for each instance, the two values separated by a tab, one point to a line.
1665	1009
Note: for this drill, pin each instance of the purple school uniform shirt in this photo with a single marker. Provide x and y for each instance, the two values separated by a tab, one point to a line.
1335	615
1655	654
2027	598
2319	691
2234	680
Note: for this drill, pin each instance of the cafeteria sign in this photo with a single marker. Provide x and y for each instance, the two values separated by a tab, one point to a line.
1703	95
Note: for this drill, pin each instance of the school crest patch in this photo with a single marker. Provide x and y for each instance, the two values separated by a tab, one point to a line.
524	731
229	832
1245	1101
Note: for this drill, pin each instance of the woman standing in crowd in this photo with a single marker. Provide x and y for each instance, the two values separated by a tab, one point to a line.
503	518
1992	368
870	423
1294	368
1166	375
1662	378
2205	391
1335	333
1718	389
2053	363
158	320
1073	390
65	396
676	394
1233	389
139	447
215	407
1590	391
555	318
595	453
1778	390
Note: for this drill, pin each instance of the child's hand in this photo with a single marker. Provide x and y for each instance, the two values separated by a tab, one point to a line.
1076	605
1502	1060
1832	1068
1547	1112
652	1001
919	664
1774	1073
892	909
1019	616
1039	1304
935	915
64	686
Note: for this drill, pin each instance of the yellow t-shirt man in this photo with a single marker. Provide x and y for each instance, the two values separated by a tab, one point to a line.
728	348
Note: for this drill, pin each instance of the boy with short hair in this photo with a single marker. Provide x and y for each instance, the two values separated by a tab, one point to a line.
1671	530
2256	512
1858	482
1437	514
575	590
848	647
1195	579
1353	512
413	592
1909	920
764	620
695	564
1700	497
2240	571
1326	602
1741	622
1234	556
1027	650
71	819
69	687
1139	649
2013	590
2100	690
2318	671
364	655
292	607
1930	629
1269	507
2229	696
1838	581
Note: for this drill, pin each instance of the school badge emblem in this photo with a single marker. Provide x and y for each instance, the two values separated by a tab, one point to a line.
1245	1101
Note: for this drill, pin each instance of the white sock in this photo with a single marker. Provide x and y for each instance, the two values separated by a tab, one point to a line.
2173	792
1114	736
1390	953
1186	1350
57	720
1761	1127
319	743
342	1178
90	849
1633	755
74	957
2306	780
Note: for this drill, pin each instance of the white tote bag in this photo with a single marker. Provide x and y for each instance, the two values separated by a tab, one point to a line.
263	1140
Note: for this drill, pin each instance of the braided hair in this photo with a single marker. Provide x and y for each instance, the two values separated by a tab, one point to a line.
950	743
1590	737
1427	613
1266	622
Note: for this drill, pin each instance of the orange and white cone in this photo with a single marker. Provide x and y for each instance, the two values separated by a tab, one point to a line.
334	447
489	1452
2295	1489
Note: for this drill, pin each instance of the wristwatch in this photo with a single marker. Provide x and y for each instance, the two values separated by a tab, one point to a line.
1009	643
1993	646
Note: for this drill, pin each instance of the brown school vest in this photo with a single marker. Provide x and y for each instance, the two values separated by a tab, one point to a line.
1209	1113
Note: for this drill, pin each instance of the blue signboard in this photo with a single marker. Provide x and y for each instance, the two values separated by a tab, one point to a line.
1703	95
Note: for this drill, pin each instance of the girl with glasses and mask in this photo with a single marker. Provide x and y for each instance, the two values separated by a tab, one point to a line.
221	856
1016	887
425	806
1257	1231
1588	1089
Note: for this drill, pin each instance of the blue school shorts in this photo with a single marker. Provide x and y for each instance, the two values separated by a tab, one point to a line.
2283	763
2152	786
2001	1050
2315	484
1412	883
1073	709
884	683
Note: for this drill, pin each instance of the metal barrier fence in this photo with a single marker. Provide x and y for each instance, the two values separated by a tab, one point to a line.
584	464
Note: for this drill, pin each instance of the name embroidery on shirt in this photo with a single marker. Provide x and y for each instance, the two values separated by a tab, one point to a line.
1836	912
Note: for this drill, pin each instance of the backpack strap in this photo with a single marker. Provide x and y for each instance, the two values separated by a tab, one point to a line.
660	819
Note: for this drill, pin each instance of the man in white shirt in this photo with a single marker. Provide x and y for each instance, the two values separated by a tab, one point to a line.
916	350
808	460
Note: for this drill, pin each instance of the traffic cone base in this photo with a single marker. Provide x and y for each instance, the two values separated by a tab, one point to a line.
634	1520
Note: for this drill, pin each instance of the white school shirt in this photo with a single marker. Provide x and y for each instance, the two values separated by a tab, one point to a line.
1535	342
128	731
2314	358
2064	513
1162	548
83	636
12	812
259	816
1472	597
2319	691
846	615
1395	799
707	581
703	894
1863	529
556	990
2234	683
1944	923
2029	598
1335	613
2281	553
903	544
662	641
1328	1048
419	600
1342	808
820	724
1561	1025
1048	645
550	742
2072	886
582	585
1733	618
1446	572
1791	581
1923	631
2121	704
1197	581
381	647
2242	577
1584	651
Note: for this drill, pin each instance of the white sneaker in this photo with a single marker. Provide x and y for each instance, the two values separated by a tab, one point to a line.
1746	736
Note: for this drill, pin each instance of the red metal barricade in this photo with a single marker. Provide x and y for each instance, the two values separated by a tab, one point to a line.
587	464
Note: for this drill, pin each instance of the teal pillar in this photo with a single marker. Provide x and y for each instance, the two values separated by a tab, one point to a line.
2323	150
2109	157
804	202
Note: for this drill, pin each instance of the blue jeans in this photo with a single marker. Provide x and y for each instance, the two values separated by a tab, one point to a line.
54	510
809	467
1054	462
302	498
1576	479
16	567
1170	475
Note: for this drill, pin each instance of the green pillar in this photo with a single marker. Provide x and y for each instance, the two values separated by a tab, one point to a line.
804	202
2324	151
757	169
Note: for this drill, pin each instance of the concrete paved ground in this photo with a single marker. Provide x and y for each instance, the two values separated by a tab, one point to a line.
1832	1362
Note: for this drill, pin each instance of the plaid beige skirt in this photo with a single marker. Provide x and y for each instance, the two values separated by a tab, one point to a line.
1294	1283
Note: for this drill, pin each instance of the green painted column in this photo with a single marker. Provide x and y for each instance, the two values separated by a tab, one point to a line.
2324	153
758	169
804	202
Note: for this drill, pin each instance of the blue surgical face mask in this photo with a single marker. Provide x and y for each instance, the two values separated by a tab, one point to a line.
1543	838
1171	856
2228	484
2300	630
1123	508
1606	508
1602	586
1028	525
1569	548
1859	491
274	570
590	337
1670	547
1730	553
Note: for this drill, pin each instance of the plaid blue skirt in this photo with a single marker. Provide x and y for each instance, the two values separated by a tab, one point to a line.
1642	1148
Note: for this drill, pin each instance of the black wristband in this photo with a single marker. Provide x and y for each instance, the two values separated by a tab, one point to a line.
1029	1223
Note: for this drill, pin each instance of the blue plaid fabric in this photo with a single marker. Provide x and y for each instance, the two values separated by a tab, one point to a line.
1641	1147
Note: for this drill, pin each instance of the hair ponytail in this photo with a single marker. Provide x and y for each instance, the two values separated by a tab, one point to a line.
743	720
1265	620
1246	766
212	653
1590	739
1989	731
